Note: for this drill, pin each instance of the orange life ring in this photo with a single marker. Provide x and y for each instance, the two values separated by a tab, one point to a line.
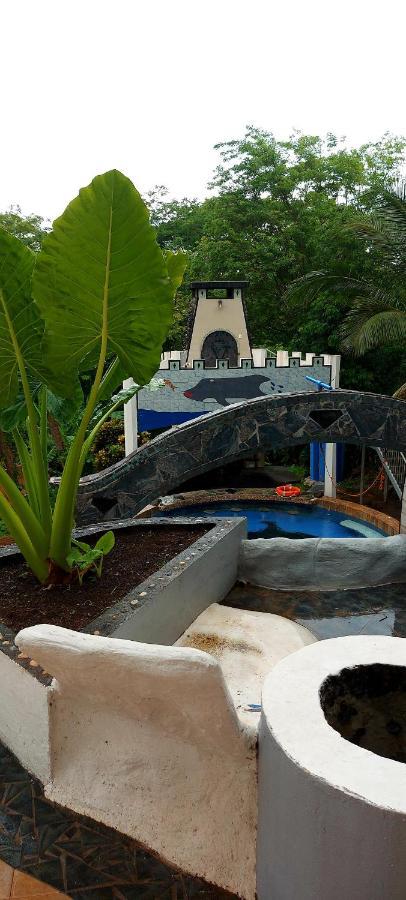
287	490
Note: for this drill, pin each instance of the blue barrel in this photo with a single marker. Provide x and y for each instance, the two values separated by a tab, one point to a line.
317	452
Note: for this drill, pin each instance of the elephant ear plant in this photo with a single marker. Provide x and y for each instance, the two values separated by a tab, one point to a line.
98	297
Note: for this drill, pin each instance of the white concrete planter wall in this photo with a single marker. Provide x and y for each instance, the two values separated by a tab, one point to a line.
332	815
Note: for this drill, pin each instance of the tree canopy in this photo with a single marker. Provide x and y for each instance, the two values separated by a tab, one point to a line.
30	230
276	211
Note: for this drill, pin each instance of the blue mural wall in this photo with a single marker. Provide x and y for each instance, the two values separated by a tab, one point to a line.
192	392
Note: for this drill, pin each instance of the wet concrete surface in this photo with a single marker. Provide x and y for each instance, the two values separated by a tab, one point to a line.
329	614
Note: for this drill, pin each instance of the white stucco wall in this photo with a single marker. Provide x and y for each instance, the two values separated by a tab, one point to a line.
24	717
146	739
332	815
226	316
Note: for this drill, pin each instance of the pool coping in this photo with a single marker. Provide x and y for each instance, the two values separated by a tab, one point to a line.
388	524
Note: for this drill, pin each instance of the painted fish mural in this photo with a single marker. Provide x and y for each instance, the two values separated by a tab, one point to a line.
224	390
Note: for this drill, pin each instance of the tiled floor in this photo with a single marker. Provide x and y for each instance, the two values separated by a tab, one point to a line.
15	885
74	855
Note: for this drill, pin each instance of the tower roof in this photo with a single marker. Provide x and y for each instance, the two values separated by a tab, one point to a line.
218	285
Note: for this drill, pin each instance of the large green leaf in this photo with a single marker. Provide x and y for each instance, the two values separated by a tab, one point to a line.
20	324
101	273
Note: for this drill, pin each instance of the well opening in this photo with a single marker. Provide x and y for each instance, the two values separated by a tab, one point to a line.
367	706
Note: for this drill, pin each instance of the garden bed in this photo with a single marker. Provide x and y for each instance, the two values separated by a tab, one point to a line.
156	581
136	556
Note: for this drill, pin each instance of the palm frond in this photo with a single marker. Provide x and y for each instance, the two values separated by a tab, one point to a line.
386	226
392	215
374	320
308	287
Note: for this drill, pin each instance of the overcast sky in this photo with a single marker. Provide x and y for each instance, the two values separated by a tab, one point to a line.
148	87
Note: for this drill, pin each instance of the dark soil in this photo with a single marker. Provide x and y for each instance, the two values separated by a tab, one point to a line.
137	554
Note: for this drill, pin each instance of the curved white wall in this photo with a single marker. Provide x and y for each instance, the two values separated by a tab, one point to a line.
323	563
332	815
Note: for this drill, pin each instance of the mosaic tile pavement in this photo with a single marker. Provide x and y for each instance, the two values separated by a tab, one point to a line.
75	855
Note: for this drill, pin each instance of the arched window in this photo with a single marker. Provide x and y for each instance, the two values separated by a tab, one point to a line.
220	345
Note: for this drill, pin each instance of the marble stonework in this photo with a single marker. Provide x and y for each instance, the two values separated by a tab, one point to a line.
236	432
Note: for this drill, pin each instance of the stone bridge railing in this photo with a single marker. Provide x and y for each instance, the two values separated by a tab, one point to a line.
236	432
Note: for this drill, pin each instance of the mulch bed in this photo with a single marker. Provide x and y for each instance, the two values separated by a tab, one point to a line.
136	555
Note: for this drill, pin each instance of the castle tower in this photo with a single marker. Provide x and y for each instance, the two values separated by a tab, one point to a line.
218	328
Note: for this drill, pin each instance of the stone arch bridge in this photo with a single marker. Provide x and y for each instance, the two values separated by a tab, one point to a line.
233	433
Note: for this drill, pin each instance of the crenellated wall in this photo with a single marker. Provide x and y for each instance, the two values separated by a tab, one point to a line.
192	391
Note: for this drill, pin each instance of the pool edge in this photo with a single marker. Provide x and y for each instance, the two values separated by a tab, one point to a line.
388	524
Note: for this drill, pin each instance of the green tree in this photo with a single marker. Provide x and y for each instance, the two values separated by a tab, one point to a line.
30	230
376	316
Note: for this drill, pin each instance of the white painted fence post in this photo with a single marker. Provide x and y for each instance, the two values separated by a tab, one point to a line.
130	420
403	512
330	456
330	470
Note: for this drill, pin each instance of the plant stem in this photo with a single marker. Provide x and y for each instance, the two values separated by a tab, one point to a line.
110	381
43	426
38	461
22	509
26	465
16	529
66	498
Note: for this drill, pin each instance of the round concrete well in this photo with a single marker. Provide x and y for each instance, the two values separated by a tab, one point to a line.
367	706
332	779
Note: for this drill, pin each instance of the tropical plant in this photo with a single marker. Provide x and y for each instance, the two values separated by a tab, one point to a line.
97	297
377	315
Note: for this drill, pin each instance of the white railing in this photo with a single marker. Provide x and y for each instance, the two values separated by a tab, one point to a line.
394	464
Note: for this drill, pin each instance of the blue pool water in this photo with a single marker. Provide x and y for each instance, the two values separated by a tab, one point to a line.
293	520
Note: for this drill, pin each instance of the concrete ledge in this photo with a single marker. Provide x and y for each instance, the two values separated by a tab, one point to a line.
247	645
323	563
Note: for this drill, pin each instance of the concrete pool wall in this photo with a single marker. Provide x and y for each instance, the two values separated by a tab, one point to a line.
323	563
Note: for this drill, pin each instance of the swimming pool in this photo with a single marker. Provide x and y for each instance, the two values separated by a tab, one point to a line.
275	519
